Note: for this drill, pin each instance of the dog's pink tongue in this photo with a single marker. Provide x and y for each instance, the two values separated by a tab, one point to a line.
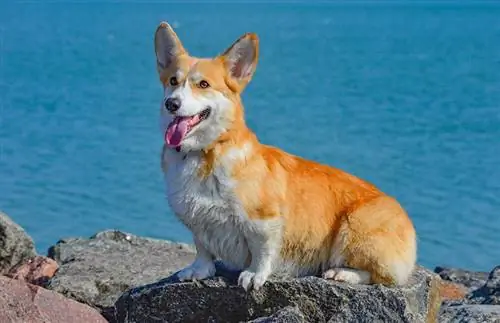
176	132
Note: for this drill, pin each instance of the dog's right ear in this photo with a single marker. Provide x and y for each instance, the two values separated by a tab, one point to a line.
167	46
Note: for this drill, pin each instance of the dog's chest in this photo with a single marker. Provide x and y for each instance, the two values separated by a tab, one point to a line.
207	206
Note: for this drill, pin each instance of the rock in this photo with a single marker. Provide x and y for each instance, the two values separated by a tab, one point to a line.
308	299
23	302
288	314
452	291
36	271
489	293
469	313
98	270
470	279
480	305
15	245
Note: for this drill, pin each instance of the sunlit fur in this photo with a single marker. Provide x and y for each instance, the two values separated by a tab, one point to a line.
260	209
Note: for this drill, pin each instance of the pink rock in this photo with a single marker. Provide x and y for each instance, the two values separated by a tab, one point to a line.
37	270
27	303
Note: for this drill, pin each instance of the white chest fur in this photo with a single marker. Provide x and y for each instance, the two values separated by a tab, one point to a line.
207	206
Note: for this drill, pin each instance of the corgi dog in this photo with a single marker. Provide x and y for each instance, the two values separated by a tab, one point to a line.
255	207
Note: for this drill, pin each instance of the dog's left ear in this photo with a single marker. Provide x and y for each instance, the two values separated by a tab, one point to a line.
240	61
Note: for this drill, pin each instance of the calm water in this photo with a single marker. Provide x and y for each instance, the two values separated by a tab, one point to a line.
406	97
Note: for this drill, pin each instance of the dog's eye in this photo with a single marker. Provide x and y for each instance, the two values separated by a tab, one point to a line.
204	84
173	81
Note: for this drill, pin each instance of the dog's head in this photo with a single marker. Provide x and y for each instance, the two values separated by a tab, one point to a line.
201	98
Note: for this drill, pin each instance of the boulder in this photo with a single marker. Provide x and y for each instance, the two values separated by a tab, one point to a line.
36	271
23	302
288	314
15	245
469	313
451	291
96	271
308	299
489	293
470	279
480	305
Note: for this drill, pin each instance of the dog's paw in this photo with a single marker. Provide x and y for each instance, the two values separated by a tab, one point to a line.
197	271
249	280
348	275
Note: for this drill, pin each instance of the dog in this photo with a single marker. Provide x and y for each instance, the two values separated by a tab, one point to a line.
255	207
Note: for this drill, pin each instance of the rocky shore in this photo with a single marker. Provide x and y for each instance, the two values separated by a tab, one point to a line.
118	277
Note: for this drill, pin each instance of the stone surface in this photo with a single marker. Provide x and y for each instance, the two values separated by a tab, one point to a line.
452	291
21	302
98	270
15	245
465	313
480	305
489	293
36	271
308	299
470	279
288	314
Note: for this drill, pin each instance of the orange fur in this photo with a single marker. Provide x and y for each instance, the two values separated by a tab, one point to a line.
324	209
319	204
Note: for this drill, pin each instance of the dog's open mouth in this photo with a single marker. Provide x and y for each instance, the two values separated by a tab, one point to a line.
181	126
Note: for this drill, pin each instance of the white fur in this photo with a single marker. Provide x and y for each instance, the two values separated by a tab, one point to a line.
402	269
221	228
337	258
206	206
264	242
202	267
236	154
190	105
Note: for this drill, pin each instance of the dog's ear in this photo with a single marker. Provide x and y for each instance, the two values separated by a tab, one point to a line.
167	46
240	60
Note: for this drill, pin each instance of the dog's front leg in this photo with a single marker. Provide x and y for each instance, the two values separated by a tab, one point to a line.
264	242
202	267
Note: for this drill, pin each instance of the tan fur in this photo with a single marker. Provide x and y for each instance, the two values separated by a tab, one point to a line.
329	216
320	204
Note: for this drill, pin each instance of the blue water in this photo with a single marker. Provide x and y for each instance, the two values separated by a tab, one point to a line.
405	96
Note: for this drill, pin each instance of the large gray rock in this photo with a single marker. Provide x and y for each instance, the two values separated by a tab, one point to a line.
309	299
15	245
98	270
480	305
465	313
472	280
288	314
489	293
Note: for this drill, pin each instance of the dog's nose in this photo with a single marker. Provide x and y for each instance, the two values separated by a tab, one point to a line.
173	104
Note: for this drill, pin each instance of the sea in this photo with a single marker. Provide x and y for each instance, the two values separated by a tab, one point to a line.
403	94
